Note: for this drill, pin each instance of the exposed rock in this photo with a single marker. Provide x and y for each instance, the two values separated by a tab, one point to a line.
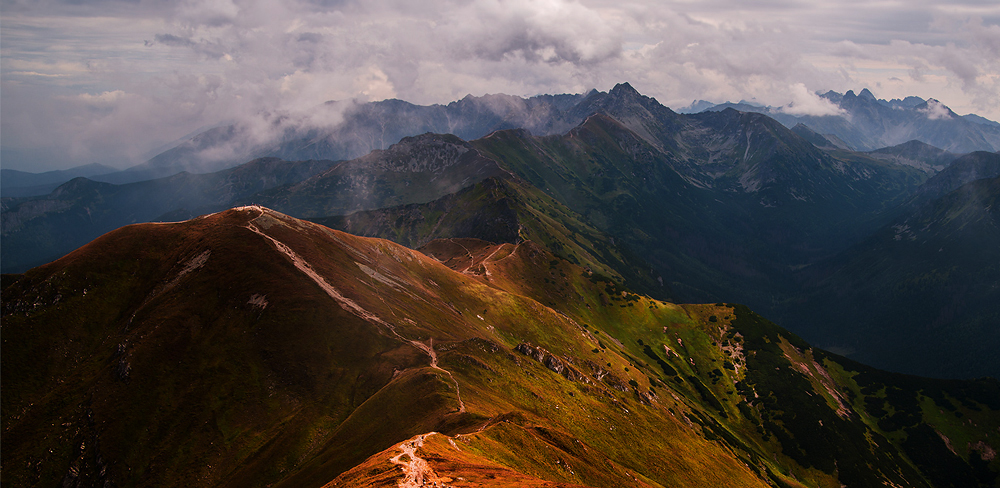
258	300
607	377
986	453
947	441
528	350
552	362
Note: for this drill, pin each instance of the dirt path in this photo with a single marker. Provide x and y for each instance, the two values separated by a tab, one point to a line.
351	305
305	268
487	258
429	349
472	258
416	471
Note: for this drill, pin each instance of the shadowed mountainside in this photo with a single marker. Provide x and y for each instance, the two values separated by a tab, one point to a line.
717	206
924	289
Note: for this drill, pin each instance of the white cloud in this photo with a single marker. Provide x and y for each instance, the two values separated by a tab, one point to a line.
550	31
805	102
107	97
936	110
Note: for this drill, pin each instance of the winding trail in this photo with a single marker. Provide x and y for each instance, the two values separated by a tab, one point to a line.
472	258
429	349
350	305
487	258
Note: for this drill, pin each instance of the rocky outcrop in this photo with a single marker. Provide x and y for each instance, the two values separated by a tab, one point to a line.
601	374
554	363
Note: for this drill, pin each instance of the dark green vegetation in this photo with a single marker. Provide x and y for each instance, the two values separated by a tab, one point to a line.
936	277
728	223
247	348
503	210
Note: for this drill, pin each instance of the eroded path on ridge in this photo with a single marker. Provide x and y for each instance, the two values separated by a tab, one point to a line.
307	269
429	349
351	305
416	471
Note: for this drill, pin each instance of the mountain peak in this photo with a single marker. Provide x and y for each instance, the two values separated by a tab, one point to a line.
833	96
867	95
624	90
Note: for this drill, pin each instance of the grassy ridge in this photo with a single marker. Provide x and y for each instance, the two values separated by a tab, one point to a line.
162	364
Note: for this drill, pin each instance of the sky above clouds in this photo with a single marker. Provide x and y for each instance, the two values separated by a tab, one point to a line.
116	81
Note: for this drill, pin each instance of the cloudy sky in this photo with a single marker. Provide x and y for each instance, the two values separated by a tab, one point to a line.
115	81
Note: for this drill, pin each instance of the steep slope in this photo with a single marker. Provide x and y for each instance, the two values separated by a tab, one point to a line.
914	153
248	348
819	140
504	210
348	129
728	222
296	354
966	169
654	123
923	289
486	210
41	229
750	159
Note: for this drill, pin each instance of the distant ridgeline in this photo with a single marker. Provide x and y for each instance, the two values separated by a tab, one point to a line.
886	256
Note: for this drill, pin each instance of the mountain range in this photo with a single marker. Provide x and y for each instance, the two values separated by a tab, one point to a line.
23	184
863	122
696	208
926	282
362	128
581	303
353	129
